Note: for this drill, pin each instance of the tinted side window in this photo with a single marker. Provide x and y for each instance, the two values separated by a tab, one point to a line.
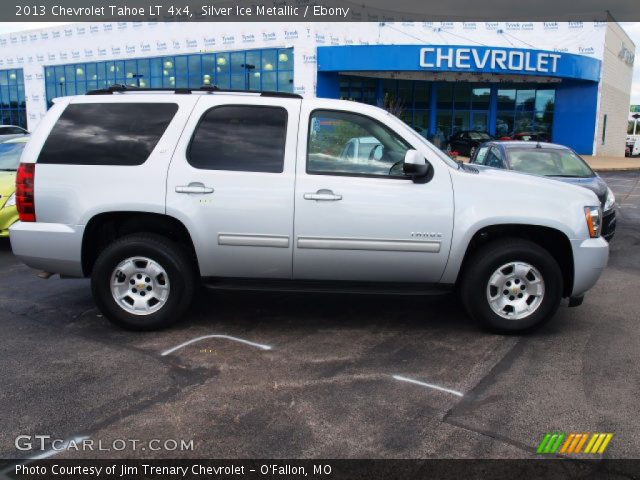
107	133
240	138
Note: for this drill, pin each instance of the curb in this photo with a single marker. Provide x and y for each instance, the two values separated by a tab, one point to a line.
613	169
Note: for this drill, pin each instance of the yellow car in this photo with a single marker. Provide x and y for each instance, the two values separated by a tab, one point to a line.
10	152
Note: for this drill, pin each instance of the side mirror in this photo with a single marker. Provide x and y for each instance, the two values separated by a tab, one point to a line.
417	167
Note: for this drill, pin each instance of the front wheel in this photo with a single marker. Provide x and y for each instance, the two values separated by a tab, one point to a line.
511	285
143	282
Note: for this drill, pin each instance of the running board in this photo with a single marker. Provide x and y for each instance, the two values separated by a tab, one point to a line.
313	286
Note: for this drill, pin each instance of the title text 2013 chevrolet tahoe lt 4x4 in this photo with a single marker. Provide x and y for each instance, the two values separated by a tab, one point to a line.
150	192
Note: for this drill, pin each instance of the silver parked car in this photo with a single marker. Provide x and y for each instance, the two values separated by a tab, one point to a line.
149	193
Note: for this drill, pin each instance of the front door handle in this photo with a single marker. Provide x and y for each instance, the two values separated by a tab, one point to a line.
194	187
323	195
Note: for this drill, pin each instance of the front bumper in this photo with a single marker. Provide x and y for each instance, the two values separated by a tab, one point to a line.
52	247
609	224
8	216
589	260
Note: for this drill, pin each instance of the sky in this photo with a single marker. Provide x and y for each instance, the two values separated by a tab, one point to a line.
632	29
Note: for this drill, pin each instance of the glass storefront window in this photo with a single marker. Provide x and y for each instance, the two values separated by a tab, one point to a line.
273	70
480	98
545	100
460	121
504	124
12	98
285	59
285	81
525	100
525	110
506	99
422	95
405	94
444	97
480	121
462	97
443	125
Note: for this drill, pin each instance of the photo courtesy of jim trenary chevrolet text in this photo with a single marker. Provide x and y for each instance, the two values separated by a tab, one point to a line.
319	239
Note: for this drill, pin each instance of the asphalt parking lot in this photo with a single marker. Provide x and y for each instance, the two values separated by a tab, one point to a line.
325	376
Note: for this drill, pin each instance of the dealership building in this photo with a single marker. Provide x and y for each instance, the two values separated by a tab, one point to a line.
570	82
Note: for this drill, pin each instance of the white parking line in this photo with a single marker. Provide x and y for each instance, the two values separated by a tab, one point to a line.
428	385
59	449
228	337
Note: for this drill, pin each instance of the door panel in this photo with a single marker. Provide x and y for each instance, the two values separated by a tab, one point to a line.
240	215
377	227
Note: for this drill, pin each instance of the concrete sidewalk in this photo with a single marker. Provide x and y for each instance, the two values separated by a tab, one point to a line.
612	164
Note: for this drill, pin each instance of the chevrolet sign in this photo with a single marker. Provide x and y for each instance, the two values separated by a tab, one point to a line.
458	58
493	58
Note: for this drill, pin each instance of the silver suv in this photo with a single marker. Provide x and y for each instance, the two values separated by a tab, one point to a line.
150	193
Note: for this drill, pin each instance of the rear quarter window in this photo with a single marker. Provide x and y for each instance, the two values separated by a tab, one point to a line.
107	133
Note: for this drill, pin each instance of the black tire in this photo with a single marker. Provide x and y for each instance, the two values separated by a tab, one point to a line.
169	255
487	260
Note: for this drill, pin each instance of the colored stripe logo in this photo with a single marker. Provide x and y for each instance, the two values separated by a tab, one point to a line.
574	443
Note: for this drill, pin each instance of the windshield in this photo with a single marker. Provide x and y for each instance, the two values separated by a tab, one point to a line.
479	136
10	155
548	162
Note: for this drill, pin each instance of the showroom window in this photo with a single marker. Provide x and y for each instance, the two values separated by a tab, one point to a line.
12	99
268	69
461	106
407	99
240	138
525	110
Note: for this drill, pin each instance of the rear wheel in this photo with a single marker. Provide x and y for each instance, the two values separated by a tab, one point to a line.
143	282
511	285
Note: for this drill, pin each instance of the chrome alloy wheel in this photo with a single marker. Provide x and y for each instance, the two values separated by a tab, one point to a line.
515	290
140	285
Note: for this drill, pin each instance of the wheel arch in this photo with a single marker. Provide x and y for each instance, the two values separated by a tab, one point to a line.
554	241
104	228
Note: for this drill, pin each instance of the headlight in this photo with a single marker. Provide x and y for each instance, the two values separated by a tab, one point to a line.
610	201
12	200
593	216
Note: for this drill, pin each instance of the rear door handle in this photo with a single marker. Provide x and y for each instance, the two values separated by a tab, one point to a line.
323	195
194	187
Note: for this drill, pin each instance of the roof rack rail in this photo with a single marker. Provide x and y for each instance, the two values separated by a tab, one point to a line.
118	88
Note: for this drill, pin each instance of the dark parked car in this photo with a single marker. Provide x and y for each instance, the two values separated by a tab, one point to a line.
554	161
467	141
531	137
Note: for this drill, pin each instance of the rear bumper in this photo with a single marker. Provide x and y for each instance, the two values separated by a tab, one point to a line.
589	259
51	247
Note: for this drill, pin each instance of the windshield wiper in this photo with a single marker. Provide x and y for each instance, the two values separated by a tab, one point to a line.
568	176
8	170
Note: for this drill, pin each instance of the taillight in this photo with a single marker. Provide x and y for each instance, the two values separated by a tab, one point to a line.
25	199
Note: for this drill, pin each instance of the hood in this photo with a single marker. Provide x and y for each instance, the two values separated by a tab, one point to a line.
7	183
543	185
595	184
